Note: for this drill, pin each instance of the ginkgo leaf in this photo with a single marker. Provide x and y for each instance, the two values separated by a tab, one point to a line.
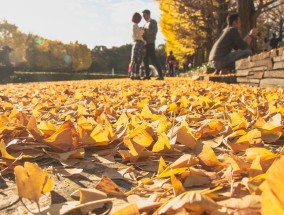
215	142
264	154
81	110
271	130
162	165
108	126
123	120
208	157
193	203
163	101
142	103
255	168
195	177
100	135
184	102
273	125
185	136
84	131
127	156
251	138
173	107
135	148
47	128
3	120
78	96
32	182
146	113
272	198
19	116
33	129
88	195
143	138
237	121
65	138
204	99
239	165
254	184
4	153
162	144
138	128
211	128
164	125
179	166
177	186
108	186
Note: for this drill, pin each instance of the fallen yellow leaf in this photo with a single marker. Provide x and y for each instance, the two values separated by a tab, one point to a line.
32	181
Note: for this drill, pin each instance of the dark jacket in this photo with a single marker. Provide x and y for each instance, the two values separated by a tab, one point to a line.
229	40
151	29
274	42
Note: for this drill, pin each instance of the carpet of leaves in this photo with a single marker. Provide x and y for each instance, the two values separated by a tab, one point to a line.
141	147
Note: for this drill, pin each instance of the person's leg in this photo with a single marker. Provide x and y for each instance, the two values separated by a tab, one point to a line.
136	71
146	62
228	61
171	70
152	54
139	58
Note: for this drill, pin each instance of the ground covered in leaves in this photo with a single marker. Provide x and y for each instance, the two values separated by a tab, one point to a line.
131	147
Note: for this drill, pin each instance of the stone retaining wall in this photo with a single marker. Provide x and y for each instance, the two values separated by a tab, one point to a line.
264	70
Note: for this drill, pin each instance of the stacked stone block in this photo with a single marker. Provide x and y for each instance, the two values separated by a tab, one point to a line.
264	70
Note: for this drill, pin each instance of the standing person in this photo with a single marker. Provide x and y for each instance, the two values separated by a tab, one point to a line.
6	68
138	47
265	45
176	69
4	55
221	55
274	41
170	63
151	29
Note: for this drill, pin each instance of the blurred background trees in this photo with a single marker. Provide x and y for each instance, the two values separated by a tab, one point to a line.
34	53
190	29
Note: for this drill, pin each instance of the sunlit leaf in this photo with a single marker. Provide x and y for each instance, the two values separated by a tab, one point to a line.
208	157
192	202
65	138
32	182
179	166
162	143
177	186
272	199
4	153
237	121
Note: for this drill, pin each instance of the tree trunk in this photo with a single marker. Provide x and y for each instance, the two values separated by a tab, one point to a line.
248	16
281	29
221	16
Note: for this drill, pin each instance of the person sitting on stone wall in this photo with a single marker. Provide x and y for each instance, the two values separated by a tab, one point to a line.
222	55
